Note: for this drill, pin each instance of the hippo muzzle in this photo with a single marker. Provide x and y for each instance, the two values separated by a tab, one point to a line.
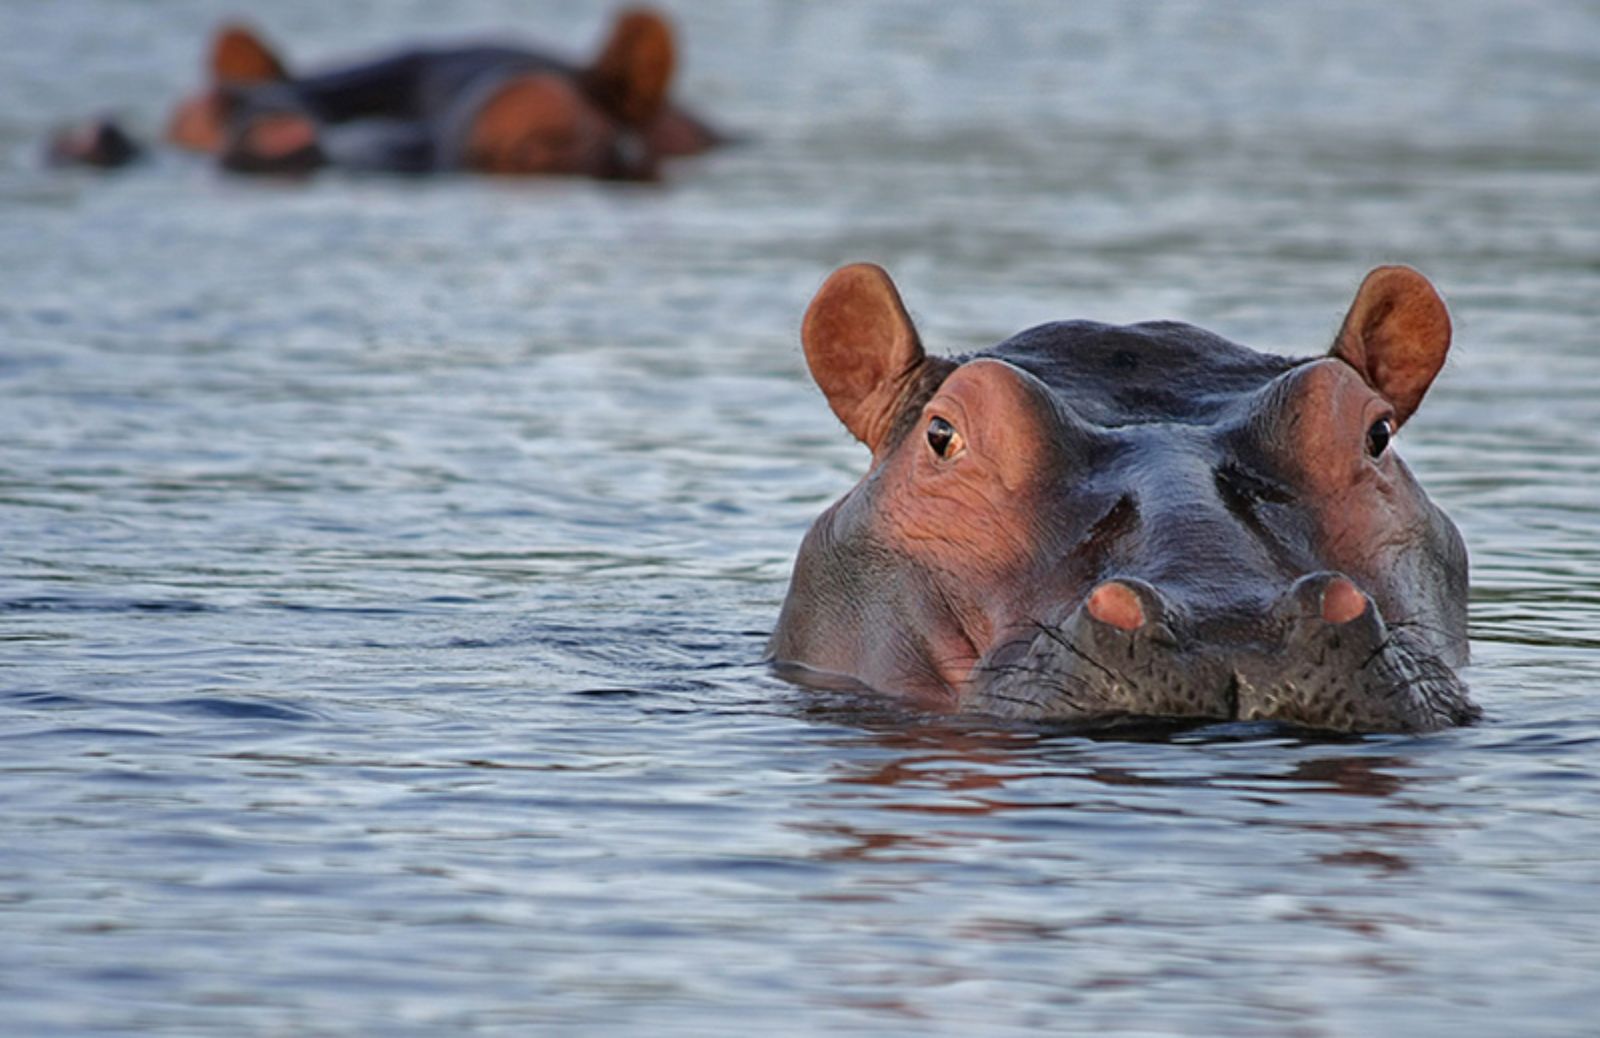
1088	523
1321	657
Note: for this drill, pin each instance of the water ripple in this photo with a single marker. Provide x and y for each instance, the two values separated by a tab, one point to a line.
386	566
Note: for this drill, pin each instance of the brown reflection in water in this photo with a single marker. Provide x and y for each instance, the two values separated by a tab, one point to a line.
945	756
918	793
1380	860
956	772
856	843
1349	776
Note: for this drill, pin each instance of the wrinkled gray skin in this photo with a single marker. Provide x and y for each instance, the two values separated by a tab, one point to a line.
1222	491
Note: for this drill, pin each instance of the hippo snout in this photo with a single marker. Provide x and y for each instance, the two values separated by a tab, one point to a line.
1320	656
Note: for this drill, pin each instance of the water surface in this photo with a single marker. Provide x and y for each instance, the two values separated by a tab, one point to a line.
385	565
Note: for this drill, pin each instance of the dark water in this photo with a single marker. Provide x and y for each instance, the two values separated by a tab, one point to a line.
385	566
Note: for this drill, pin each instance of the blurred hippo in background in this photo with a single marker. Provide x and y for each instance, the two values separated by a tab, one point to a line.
101	142
484	108
1088	523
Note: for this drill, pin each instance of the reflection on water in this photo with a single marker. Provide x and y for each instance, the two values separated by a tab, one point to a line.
1265	860
385	565
946	768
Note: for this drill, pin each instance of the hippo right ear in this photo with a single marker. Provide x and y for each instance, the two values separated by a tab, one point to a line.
862	349
1396	335
632	75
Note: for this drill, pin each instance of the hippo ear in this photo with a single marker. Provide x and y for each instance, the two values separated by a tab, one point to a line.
862	349
1396	335
633	72
240	55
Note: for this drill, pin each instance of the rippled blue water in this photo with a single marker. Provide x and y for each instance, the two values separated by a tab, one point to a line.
385	565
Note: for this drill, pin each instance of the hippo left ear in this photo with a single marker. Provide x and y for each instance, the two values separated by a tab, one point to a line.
863	350
240	55
1396	335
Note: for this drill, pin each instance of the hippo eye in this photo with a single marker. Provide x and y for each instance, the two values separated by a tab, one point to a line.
943	438
1378	437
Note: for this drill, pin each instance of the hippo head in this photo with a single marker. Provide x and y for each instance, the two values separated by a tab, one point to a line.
1089	522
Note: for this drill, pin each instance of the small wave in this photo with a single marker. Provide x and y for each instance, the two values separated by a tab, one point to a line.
214	706
85	604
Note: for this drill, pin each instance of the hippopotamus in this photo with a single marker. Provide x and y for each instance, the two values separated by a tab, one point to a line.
101	142
487	108
1092	523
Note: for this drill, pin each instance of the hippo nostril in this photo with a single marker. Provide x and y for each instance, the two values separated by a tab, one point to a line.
1324	598
1342	601
1117	604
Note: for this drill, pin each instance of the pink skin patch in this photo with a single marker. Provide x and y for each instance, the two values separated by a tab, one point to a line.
1116	604
275	136
1342	601
196	123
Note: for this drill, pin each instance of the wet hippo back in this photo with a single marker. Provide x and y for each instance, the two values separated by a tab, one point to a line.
1089	521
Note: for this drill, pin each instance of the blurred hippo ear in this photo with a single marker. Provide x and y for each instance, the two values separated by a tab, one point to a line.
1396	335
239	55
630	78
863	350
